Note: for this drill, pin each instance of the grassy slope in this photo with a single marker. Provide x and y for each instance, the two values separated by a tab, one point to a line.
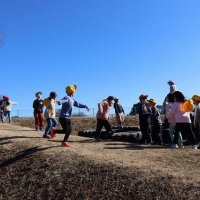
34	168
38	176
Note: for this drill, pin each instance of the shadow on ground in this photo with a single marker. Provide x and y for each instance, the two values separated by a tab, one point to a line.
23	154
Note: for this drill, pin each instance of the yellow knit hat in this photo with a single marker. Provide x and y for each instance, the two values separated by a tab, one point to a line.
196	97
152	100
70	89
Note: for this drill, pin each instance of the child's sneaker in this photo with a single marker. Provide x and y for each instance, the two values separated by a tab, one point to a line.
174	146
53	132
96	138
46	136
65	144
194	147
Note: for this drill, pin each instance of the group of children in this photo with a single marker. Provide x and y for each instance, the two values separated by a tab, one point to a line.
66	103
183	117
149	121
182	124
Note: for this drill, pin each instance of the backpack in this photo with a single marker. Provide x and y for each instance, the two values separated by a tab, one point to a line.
46	102
187	106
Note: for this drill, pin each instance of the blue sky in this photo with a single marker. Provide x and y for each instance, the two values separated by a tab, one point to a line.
107	47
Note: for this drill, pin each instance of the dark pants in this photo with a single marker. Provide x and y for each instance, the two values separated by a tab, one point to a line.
103	123
186	131
157	134
197	134
145	128
66	126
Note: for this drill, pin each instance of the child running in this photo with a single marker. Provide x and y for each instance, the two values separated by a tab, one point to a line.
65	114
50	113
103	117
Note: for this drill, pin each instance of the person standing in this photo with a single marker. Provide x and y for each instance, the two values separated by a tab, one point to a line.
171	120
5	105
196	123
38	112
172	89
144	119
183	121
50	113
156	123
119	112
65	114
103	116
172	86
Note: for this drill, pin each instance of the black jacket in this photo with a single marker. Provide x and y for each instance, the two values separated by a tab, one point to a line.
37	105
118	108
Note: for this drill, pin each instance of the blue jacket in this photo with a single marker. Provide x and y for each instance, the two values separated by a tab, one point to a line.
67	105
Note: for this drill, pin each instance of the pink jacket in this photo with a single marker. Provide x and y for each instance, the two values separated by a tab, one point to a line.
169	116
103	112
180	116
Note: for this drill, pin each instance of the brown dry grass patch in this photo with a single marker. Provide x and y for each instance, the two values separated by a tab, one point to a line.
35	168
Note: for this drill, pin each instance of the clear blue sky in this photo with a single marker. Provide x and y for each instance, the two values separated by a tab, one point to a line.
107	47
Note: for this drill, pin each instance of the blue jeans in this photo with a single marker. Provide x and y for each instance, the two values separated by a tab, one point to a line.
4	115
51	122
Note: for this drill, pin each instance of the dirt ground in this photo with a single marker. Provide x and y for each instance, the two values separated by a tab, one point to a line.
35	168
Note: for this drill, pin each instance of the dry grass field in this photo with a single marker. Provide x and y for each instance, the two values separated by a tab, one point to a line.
35	168
78	123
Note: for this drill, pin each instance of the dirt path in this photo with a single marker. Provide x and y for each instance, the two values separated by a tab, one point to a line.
182	162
